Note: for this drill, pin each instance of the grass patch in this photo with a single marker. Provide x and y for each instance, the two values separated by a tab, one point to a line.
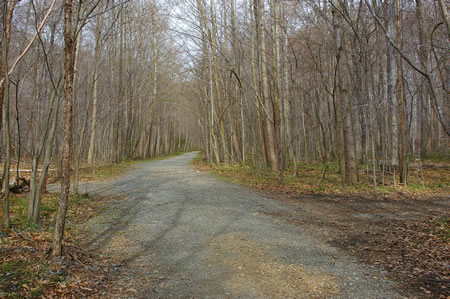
442	227
438	157
436	180
19	208
16	276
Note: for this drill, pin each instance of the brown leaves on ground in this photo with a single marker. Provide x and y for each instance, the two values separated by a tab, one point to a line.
200	164
418	252
408	239
28	269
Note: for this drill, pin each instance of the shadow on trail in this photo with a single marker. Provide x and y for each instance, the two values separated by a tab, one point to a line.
173	220
155	244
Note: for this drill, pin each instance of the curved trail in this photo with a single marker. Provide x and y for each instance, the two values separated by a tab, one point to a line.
189	234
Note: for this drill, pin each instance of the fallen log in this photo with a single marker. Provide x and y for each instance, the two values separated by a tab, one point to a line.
20	185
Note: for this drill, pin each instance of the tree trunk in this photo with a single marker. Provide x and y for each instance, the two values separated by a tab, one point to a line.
277	102
98	29
392	78
47	160
400	102
4	103
7	136
347	140
8	11
286	96
254	16
268	123
78	151
422	106
47	142
217	85
69	63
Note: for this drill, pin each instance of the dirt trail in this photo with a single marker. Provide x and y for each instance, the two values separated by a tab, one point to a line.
182	233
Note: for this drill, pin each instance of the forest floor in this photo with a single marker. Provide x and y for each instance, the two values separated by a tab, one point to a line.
430	182
26	266
166	229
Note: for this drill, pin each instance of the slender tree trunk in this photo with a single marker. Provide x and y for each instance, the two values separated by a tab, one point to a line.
268	123
78	151
422	107
209	61
8	11
47	160
286	96
69	62
238	88
400	102
45	145
337	99
217	85
4	103
6	134
392	77
305	139
253	42
277	102
98	29
347	141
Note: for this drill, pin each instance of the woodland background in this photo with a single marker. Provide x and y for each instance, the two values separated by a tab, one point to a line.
275	85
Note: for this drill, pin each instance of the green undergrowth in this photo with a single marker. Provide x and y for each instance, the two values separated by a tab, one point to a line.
443	227
18	274
306	180
26	266
438	157
78	205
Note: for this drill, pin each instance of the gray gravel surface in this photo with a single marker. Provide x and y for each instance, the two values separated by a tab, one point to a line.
190	234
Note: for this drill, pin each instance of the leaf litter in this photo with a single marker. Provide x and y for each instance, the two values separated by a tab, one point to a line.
27	268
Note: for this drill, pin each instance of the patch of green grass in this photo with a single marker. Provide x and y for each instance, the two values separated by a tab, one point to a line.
36	292
12	266
49	204
384	188
49	207
78	199
57	278
415	186
19	209
306	181
14	275
199	156
438	157
443	228
18	205
105	171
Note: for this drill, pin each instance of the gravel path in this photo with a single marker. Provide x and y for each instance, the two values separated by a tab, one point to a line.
189	234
